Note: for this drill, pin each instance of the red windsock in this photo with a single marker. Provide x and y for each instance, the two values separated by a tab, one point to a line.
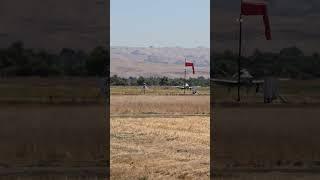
257	7
190	64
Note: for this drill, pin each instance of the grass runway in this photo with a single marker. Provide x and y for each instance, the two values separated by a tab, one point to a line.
165	134
160	137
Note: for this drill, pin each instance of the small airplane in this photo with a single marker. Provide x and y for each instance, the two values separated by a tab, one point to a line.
246	80
184	87
193	88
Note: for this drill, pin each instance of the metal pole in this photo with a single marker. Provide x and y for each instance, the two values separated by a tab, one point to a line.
185	76
239	57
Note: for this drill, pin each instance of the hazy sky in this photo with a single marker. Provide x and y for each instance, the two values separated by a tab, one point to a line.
184	23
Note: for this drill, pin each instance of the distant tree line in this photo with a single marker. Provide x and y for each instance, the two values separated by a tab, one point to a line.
289	62
16	60
19	61
157	81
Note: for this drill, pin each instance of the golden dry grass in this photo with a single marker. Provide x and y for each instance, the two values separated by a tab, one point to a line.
156	90
160	148
266	138
268	176
34	135
51	177
140	104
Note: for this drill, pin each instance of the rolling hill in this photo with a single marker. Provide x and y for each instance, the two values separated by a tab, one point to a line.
164	61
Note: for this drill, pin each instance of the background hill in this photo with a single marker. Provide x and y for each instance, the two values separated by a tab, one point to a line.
151	61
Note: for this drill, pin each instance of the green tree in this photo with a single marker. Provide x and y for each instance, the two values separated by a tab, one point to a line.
164	81
97	63
140	81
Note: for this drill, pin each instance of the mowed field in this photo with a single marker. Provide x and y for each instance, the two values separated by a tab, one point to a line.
156	90
160	148
267	142
37	90
52	128
162	134
159	136
51	134
253	140
293	91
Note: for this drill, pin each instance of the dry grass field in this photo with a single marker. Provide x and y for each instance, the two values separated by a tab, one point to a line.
38	90
156	90
52	128
267	141
52	177
57	137
268	176
275	141
294	91
140	104
160	148
37	134
160	137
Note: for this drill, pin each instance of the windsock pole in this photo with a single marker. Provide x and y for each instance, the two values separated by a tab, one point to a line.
239	57
185	76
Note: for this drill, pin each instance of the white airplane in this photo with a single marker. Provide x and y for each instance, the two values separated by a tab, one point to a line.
193	88
184	87
246	80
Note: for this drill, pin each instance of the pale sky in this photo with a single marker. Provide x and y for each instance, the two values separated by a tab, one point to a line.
160	23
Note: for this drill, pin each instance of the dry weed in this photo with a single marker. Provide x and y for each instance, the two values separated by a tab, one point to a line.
139	104
160	148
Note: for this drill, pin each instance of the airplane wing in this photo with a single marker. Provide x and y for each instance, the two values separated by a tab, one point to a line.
179	87
258	81
284	79
225	82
